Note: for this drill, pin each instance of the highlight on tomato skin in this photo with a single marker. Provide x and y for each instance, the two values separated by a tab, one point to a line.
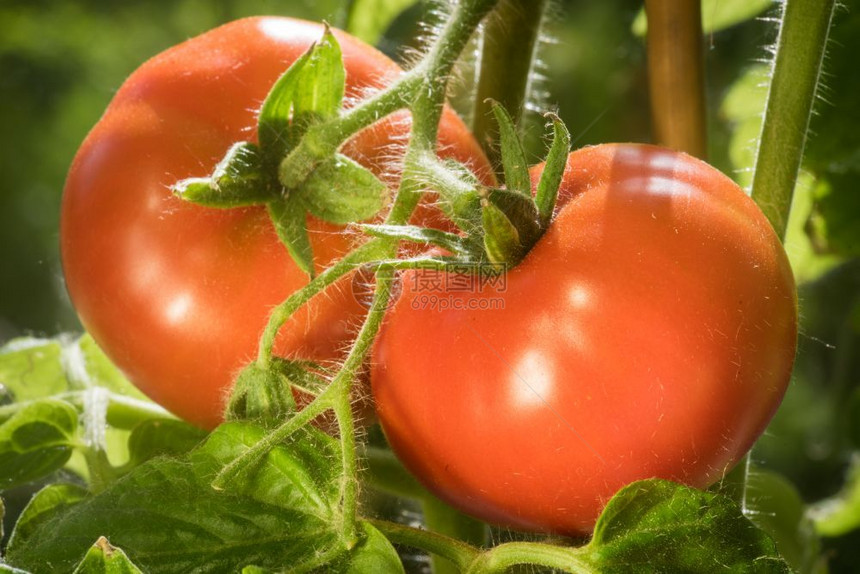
177	295
650	332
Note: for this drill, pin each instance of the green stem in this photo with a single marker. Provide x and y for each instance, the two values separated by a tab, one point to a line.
280	315
508	53
504	556
797	67
323	139
342	384
429	100
676	77
244	464
457	552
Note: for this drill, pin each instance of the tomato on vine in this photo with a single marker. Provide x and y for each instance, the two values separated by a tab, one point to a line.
177	294
650	332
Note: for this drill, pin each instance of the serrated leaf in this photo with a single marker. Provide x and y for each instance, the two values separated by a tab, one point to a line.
716	14
513	156
553	171
501	239
167	518
103	558
667	527
341	191
423	235
320	92
273	124
238	180
288	217
35	440
368	19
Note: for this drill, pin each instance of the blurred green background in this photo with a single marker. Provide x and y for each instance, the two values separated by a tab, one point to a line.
60	62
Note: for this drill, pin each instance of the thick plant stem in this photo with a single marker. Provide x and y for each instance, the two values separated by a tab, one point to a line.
797	68
676	78
504	556
508	54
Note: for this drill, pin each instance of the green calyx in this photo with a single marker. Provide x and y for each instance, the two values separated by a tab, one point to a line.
498	225
337	189
265	393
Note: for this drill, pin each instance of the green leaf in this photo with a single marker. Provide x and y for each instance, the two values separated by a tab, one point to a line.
774	505
5	569
513	157
716	14
835	221
49	502
368	19
840	514
373	554
290	221
161	437
36	439
167	518
106	559
501	238
320	92
238	180
273	125
423	235
103	373
31	368
665	527
341	191
553	171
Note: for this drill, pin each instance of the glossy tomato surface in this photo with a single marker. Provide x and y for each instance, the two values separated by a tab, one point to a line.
176	294
649	333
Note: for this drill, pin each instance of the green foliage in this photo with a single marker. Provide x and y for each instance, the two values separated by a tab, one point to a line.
103	558
167	518
666	527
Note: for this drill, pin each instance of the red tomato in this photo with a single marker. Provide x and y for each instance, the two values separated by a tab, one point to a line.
176	294
649	333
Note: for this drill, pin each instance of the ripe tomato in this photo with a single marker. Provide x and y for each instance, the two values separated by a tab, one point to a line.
176	294
649	333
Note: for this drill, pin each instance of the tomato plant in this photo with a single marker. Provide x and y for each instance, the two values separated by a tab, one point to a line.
178	294
571	362
649	333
